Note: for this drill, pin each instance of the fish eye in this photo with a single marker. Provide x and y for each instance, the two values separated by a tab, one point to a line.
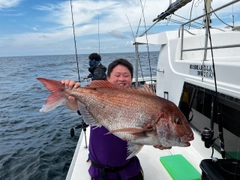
177	120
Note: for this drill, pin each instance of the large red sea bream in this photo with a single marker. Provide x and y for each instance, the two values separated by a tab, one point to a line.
135	115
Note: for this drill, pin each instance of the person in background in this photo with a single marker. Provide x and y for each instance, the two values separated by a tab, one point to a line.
96	69
108	153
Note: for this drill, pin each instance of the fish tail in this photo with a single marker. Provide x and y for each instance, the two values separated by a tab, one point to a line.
57	96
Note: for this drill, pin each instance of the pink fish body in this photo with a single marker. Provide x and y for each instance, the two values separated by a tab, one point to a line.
135	115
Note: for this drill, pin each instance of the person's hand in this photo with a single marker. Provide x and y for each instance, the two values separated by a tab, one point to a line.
71	84
162	147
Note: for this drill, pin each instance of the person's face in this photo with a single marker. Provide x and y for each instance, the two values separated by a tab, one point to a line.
120	76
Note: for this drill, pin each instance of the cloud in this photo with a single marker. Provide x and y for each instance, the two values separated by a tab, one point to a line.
117	34
112	20
84	12
8	3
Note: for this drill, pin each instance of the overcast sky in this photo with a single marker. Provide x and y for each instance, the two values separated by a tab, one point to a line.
44	27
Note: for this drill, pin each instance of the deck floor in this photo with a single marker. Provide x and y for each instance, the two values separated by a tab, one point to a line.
149	158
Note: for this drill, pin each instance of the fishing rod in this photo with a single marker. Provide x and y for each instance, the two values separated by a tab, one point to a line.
82	125
75	42
137	60
98	38
149	62
215	100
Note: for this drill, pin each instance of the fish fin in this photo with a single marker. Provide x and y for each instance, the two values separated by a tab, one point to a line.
100	84
147	89
130	130
87	117
57	96
106	84
133	149
48	107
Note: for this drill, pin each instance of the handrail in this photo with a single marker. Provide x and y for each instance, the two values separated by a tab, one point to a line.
214	47
221	7
181	29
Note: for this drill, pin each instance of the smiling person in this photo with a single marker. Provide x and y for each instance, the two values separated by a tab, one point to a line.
108	153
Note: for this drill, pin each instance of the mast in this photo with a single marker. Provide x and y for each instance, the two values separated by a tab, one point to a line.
136	65
207	9
206	21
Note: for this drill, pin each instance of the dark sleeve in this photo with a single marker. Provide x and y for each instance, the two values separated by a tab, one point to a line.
91	70
104	68
90	76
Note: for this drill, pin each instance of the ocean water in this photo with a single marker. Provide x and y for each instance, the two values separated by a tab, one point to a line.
36	145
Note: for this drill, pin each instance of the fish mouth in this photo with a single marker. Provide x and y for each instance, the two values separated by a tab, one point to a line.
186	144
185	140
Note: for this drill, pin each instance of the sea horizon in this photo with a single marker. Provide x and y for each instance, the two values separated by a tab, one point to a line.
77	54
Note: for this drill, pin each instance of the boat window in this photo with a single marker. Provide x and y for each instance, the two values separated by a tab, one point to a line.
196	104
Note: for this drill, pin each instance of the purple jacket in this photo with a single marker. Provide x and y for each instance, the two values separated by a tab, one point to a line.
109	150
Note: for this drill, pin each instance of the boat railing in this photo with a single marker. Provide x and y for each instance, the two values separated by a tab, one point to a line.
214	47
205	48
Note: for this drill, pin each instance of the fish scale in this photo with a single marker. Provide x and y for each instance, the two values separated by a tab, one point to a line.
120	101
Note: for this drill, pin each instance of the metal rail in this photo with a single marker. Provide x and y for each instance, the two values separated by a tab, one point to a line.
181	29
214	47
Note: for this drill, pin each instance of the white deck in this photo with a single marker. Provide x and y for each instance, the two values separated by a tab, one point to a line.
148	156
79	167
